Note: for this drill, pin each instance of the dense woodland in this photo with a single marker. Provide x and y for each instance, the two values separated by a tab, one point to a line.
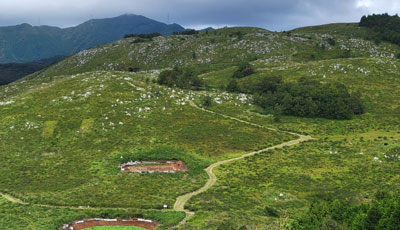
305	98
382	213
387	27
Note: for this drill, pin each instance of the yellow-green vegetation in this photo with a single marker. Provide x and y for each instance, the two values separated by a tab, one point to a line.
87	125
69	126
83	169
48	128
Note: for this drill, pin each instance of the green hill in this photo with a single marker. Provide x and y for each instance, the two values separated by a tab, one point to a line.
25	43
69	126
218	49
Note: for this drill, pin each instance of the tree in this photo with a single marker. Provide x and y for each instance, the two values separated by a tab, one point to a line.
207	101
372	218
331	41
278	111
184	79
232	86
245	69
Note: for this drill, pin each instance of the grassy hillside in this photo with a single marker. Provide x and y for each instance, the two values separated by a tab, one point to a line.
349	161
69	126
220	49
83	125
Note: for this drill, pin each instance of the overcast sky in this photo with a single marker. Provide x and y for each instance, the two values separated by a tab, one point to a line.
270	14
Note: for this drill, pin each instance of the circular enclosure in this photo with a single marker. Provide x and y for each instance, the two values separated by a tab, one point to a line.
100	222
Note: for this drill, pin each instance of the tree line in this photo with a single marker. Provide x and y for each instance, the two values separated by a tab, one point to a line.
385	26
186	32
144	36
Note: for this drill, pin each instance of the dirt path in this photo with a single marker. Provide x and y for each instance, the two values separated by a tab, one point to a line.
181	200
136	87
12	199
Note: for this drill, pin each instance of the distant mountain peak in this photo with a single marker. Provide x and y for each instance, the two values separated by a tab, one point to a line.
24	43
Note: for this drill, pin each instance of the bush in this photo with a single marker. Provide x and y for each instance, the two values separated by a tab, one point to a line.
207	101
232	86
133	69
269	211
245	69
184	79
331	41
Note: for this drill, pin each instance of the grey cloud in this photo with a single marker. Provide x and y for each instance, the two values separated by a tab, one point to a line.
269	14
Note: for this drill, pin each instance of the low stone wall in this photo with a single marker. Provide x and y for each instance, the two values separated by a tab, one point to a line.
158	167
95	222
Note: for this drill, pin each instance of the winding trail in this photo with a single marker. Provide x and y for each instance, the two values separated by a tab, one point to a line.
183	199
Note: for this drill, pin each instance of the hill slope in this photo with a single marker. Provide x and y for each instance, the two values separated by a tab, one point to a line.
70	125
219	49
24	43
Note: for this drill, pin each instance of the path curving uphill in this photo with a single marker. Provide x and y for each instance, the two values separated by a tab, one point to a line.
181	200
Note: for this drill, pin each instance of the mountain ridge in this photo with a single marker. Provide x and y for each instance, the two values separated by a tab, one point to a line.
25	43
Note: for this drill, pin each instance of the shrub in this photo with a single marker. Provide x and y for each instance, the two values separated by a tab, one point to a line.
269	211
133	69
331	41
232	86
184	79
207	101
245	69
